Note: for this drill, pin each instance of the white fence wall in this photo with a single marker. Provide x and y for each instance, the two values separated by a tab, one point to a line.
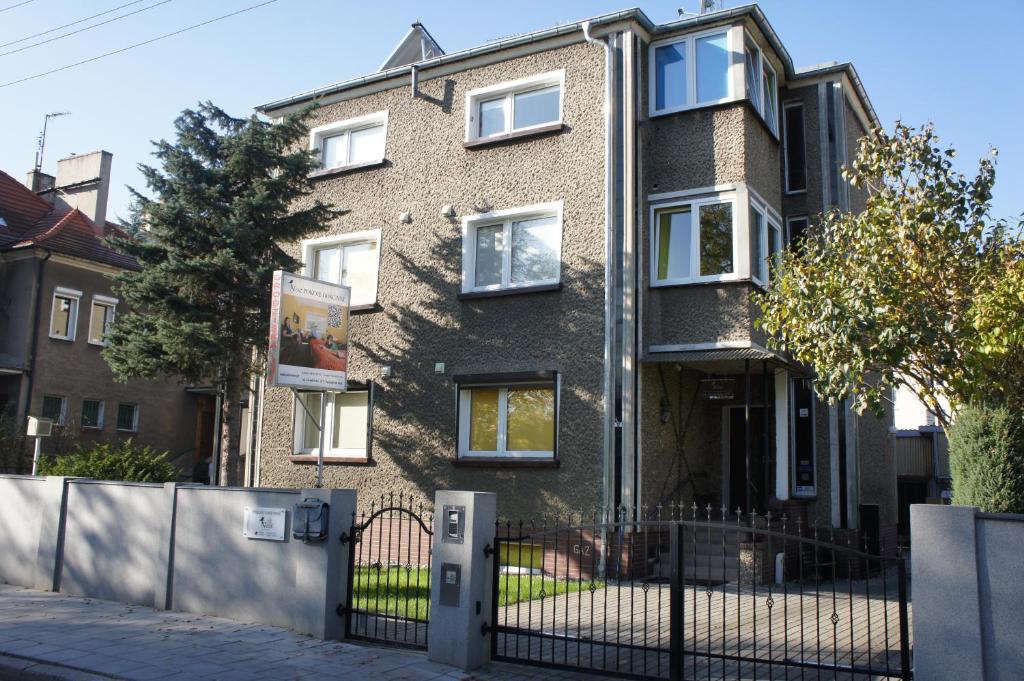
175	547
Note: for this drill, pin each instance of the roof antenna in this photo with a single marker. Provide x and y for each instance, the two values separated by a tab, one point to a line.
707	6
42	137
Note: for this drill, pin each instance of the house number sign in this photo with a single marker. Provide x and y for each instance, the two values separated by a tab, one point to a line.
582	549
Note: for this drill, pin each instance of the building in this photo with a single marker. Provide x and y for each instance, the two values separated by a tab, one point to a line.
55	304
554	242
922	457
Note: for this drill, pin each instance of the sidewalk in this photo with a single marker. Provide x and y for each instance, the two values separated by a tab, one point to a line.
45	635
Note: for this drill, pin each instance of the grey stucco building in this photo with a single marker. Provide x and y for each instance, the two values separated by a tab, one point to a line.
554	242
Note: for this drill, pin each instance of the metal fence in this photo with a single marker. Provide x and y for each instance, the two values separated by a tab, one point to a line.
699	594
388	590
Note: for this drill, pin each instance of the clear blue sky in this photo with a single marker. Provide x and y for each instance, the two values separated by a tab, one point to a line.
953	62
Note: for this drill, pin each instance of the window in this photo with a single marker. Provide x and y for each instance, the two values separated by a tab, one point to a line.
693	241
519	106
128	417
762	84
512	249
514	421
92	414
346	424
352	260
55	408
835	113
794	153
64	314
693	71
765	243
352	143
100	319
797	229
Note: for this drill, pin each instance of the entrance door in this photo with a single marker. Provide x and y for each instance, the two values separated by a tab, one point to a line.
737	457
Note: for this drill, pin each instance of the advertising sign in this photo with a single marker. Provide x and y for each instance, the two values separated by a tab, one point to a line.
308	334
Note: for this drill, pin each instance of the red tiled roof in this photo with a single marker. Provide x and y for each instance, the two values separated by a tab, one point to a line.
34	222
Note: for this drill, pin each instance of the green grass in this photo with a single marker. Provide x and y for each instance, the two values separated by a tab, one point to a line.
403	592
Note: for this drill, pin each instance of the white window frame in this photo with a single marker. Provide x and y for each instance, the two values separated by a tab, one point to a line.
76	297
338	128
311	246
771	220
761	100
99	414
691	71
62	418
470	225
508	90
299	425
793	104
465	419
109	303
789	229
695	204
135	418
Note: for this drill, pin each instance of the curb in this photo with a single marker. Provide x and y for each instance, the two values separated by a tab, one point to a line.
15	667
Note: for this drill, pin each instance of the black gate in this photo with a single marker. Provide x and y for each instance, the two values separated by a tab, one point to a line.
388	592
699	595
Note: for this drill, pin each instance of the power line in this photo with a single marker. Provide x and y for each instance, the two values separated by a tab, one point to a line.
70	23
80	30
17	4
132	47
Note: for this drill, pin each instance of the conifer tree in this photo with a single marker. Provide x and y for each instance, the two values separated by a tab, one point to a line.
228	192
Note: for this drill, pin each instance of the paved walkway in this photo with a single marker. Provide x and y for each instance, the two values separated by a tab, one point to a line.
55	636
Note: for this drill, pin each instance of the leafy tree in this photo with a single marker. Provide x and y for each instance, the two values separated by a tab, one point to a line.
105	461
913	290
226	196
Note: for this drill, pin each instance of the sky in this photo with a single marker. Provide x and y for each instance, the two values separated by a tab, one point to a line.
955	63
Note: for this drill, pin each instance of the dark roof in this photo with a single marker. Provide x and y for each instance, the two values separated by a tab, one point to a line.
33	222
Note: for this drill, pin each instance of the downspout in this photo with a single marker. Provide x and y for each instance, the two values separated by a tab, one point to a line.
608	468
35	331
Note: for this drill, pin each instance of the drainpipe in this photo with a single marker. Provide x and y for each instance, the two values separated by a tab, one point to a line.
609	421
35	331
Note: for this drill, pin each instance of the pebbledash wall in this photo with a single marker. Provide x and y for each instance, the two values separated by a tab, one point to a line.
420	319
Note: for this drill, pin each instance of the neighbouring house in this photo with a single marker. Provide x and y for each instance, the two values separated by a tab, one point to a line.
554	242
922	458
55	305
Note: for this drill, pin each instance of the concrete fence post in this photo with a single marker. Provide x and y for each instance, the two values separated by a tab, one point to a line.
327	574
461	578
944	570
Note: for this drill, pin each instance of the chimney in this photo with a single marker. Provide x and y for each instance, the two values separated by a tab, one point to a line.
83	182
40	183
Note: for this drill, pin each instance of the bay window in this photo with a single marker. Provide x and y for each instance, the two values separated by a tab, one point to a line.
519	106
765	242
693	241
512	249
352	260
346	424
762	84
690	71
515	421
351	143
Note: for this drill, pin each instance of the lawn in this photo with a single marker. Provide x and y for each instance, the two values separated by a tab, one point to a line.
406	592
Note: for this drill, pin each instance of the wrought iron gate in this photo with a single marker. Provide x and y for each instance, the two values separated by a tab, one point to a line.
388	591
699	595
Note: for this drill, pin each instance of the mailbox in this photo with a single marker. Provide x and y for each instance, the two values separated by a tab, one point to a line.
39	427
309	520
454	518
451	582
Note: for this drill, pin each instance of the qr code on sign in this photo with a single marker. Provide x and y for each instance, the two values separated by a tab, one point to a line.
334	316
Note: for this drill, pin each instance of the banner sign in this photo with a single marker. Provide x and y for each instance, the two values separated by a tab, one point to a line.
308	334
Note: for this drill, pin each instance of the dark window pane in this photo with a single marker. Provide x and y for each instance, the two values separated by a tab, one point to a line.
716	239
797	229
796	170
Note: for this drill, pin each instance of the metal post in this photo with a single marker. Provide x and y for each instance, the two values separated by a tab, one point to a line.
767	422
676	602
901	585
320	449
747	437
35	456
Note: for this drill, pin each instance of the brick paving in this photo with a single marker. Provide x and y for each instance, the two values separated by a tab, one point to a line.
55	636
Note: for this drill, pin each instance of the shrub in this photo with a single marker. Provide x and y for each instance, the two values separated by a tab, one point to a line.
122	461
986	458
15	455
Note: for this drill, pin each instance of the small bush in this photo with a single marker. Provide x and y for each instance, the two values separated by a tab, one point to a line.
986	458
122	461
